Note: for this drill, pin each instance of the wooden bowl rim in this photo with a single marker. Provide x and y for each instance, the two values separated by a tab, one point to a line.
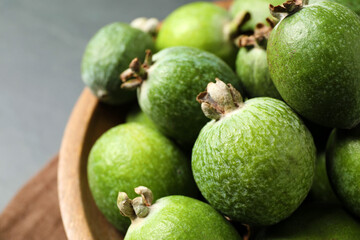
69	167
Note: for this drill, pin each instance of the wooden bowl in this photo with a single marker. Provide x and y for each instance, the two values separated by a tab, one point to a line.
89	119
81	217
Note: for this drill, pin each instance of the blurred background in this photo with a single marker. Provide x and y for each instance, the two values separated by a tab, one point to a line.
41	46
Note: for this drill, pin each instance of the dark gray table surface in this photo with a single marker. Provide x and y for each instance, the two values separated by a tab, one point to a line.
41	46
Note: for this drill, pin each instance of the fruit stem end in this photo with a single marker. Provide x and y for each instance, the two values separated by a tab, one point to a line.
219	99
134	76
138	207
287	8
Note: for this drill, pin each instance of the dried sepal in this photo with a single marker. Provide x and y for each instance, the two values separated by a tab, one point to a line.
134	76
219	99
259	38
287	8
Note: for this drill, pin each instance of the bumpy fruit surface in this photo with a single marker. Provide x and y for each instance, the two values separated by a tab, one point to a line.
352	4
314	61
130	155
315	222
107	54
167	92
256	162
177	218
342	160
201	25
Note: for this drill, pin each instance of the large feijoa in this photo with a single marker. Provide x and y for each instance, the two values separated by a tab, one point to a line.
202	25
168	84
130	155
251	63
258	9
316	221
314	61
172	218
107	54
254	162
343	165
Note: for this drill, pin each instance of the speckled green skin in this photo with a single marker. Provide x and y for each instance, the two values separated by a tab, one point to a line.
200	25
352	4
253	70
181	218
108	54
259	10
343	165
315	222
321	190
132	155
255	165
139	116
168	96
314	61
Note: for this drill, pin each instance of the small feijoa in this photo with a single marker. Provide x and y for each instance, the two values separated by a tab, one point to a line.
130	155
172	218
251	63
107	54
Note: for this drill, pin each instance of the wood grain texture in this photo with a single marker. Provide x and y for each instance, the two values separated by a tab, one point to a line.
34	213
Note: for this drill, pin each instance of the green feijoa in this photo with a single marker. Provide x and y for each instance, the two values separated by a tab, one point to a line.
254	162
352	4
201	25
251	64
343	165
258	9
168	85
173	218
314	61
130	155
321	190
316	221
107	54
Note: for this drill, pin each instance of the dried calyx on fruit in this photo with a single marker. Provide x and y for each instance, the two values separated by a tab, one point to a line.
258	9
172	217
138	207
137	72
219	99
259	38
148	25
260	129
251	62
287	8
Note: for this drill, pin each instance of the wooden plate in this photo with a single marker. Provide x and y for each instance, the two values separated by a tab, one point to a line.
89	119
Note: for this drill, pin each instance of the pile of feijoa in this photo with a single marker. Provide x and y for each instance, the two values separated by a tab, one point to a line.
245	125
